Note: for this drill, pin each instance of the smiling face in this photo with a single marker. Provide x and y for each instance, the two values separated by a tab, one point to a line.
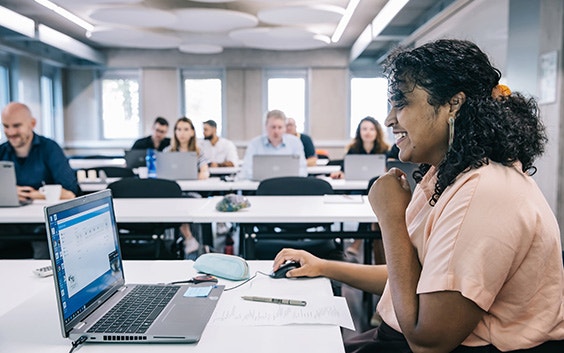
368	133
420	129
18	125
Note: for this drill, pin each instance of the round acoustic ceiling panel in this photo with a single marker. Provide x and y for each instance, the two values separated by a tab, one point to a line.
302	15
134	16
213	1
281	38
196	48
130	38
212	20
98	2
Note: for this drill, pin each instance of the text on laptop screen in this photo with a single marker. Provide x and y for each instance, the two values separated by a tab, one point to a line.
79	236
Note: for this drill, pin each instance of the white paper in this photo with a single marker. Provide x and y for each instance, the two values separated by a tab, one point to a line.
323	310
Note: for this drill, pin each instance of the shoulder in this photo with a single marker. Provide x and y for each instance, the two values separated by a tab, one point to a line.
305	137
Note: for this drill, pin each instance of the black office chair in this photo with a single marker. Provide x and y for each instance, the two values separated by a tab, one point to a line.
284	235
147	241
115	172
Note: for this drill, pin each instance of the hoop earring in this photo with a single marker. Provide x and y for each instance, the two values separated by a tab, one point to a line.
450	132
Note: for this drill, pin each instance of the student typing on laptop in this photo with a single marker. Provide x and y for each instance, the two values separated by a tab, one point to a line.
38	160
184	140
275	141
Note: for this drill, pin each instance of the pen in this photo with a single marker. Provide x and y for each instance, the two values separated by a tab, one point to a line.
276	300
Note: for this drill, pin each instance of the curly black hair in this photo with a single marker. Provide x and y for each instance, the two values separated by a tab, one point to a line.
503	129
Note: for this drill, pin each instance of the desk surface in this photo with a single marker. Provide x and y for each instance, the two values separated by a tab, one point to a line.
29	323
264	209
215	184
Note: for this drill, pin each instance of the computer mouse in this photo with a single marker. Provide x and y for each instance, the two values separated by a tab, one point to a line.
282	270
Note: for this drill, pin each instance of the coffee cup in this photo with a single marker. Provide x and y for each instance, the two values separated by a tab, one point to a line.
52	193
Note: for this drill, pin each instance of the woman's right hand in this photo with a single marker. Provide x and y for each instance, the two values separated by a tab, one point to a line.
337	175
310	265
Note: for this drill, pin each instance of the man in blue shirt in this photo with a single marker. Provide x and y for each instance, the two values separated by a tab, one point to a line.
37	160
275	141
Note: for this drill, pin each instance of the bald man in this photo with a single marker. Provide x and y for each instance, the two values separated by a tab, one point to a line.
37	160
309	149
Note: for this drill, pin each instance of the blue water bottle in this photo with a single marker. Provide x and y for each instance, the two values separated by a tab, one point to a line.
151	160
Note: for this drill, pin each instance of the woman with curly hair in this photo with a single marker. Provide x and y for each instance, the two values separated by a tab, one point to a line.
474	255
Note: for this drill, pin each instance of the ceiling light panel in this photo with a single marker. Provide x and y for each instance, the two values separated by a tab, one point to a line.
212	20
134	16
302	15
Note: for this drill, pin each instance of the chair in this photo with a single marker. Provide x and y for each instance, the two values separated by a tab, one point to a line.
115	172
147	241
296	186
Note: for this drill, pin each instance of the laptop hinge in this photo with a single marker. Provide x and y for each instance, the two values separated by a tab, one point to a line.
122	288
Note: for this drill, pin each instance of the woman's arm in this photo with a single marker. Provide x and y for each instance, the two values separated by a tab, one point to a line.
431	322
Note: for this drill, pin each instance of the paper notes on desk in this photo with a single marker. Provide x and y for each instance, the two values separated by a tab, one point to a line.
319	310
342	198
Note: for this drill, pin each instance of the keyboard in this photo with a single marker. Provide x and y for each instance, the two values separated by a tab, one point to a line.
136	311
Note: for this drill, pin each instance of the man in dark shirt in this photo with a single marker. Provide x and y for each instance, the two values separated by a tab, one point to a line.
157	140
309	149
38	161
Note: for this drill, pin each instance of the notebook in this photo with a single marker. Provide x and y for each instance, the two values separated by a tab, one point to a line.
89	282
9	194
407	167
364	166
273	166
177	165
135	158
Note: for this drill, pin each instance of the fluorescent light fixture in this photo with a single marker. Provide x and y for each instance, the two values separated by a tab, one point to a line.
387	14
344	22
16	22
68	44
66	14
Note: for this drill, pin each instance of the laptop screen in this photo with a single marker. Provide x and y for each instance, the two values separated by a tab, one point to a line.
85	253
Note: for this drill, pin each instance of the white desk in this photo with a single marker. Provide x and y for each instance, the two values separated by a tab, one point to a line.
215	184
323	169
29	323
88	163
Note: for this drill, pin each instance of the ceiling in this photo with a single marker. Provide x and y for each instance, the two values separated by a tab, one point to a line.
211	26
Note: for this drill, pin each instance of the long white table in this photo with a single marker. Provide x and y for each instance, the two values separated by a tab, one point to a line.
29	323
215	184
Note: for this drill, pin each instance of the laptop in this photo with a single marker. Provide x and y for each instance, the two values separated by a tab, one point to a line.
9	194
364	166
90	286
177	165
273	166
135	158
407	167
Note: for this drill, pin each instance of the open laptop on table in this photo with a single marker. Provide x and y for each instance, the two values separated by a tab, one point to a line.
135	158
266	166
90	287
364	166
177	165
9	194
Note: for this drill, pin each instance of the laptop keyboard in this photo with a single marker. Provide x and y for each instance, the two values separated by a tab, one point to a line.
136	311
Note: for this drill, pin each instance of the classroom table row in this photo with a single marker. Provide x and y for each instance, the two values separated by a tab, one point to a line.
29	321
220	185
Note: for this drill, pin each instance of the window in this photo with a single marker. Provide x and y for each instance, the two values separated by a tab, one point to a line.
51	103
203	98
287	91
369	97
4	84
120	105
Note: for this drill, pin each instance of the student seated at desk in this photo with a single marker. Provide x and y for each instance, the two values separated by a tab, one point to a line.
157	140
38	160
275	141
185	140
220	151
474	255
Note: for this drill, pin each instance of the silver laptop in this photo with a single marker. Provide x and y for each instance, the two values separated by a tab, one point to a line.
273	166
90	287
9	194
135	158
177	165
364	166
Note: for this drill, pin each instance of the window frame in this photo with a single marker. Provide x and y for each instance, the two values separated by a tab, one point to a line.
204	74
115	74
302	73
352	129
